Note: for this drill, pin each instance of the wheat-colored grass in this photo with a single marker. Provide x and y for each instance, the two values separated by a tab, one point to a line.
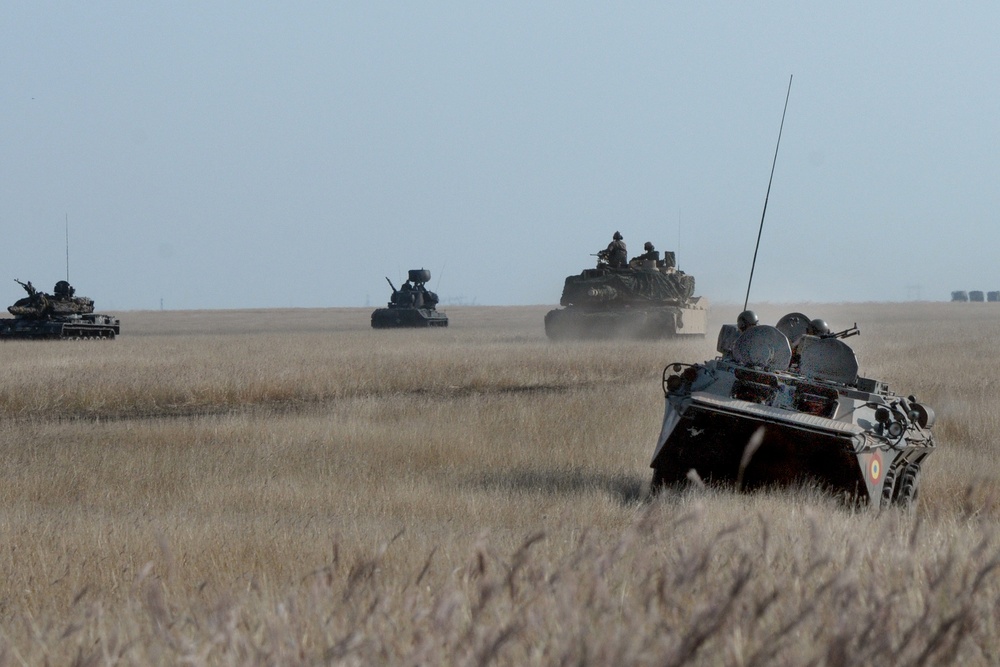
291	487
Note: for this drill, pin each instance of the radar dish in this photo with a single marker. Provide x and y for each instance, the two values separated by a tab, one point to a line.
829	359
793	325
763	347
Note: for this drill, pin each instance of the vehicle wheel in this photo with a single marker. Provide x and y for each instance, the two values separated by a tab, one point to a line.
909	486
888	488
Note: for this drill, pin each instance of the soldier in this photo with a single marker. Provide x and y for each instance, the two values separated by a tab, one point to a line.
64	290
28	287
407	294
746	320
616	254
651	254
817	327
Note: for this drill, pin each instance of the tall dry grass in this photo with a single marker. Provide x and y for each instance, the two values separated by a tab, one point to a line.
291	487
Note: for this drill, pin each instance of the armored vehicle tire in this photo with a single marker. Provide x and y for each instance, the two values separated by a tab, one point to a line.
889	488
909	486
88	334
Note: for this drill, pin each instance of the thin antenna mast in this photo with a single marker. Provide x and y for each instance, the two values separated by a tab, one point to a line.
438	285
768	194
677	262
67	247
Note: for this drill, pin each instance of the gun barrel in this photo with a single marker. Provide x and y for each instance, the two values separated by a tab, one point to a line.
390	284
848	332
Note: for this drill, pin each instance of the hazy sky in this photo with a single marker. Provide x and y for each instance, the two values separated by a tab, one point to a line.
232	154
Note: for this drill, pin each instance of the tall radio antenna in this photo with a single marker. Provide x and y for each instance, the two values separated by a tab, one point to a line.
768	194
677	262
67	247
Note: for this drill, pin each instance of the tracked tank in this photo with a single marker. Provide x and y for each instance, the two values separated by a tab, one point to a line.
61	314
413	305
784	404
646	299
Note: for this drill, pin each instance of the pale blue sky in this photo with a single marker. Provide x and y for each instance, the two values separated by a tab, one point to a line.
235	154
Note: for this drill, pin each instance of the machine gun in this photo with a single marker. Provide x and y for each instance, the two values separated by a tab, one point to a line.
28	287
846	333
602	258
390	284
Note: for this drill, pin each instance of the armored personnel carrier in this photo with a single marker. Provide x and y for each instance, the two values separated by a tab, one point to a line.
647	298
413	305
785	404
61	314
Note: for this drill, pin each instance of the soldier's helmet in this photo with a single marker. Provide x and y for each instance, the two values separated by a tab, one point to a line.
817	327
647	246
746	319
618	236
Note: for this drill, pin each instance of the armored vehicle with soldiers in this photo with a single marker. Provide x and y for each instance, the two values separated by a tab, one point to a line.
784	404
646	297
61	314
412	305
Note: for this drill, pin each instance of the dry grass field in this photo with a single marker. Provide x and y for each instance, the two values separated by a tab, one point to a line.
293	488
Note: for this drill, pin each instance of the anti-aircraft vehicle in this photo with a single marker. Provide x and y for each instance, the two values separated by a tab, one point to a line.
647	298
784	404
413	305
61	314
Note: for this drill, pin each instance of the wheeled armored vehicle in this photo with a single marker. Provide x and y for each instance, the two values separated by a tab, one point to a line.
784	404
413	305
647	298
61	314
